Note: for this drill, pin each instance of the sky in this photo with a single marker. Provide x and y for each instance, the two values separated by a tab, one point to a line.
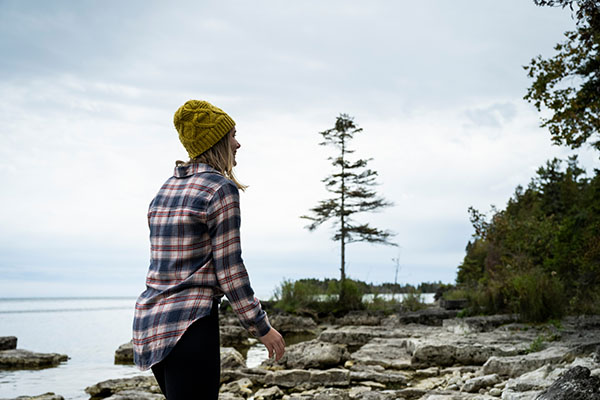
87	95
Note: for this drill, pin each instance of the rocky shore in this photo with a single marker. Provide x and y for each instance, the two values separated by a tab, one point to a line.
427	355
13	358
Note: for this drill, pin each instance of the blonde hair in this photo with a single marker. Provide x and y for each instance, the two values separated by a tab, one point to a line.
220	157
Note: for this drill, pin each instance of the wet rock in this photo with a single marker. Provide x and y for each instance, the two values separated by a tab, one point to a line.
513	366
25	359
231	359
270	393
474	384
461	326
574	384
45	396
140	383
311	354
8	342
388	353
124	354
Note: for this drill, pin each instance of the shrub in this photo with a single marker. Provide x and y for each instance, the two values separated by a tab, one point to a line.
413	301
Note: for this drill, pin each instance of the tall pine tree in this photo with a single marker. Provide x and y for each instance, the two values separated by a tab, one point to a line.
351	186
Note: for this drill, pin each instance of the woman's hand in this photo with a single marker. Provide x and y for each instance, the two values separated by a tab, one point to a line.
274	343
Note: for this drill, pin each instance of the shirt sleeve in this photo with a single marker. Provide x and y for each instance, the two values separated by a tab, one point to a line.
224	229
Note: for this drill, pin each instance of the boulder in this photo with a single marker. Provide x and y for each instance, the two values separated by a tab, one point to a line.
8	342
574	384
256	375
311	354
231	359
25	359
124	354
513	366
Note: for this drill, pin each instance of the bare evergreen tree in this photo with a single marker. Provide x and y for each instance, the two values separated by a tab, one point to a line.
352	188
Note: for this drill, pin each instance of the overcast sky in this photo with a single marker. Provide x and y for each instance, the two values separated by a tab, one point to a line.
88	90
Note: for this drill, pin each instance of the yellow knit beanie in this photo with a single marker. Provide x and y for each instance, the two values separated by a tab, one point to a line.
200	126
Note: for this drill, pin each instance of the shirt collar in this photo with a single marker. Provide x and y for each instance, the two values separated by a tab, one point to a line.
190	169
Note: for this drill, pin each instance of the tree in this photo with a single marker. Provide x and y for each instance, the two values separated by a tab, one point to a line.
351	185
568	84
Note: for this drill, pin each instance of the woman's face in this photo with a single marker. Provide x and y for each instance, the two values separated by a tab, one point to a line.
234	144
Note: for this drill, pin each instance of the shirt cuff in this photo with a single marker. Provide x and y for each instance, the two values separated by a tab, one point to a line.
261	328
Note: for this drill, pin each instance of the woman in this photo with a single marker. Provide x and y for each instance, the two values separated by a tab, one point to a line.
196	259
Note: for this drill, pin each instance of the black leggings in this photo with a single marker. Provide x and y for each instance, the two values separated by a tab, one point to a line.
192	369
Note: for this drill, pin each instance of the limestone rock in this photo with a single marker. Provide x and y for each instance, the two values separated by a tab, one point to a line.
240	387
256	375
575	384
300	378
376	373
364	318
135	395
233	336
388	353
428	316
8	342
287	324
140	383
312	354
25	359
353	336
461	326
270	393
45	396
474	384
231	359
513	366
124	354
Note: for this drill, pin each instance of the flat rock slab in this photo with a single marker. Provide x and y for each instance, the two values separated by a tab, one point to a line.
135	395
307	379
25	359
388	353
312	354
513	366
463	326
45	396
8	342
140	383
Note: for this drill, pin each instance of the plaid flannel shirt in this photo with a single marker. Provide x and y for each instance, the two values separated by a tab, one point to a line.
195	258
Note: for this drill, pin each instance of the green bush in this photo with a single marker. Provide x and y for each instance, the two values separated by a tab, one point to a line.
413	301
537	296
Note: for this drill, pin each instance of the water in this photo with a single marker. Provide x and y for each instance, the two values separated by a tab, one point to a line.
88	330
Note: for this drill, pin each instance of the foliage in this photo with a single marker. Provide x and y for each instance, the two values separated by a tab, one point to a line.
321	296
567	83
351	186
540	256
413	301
